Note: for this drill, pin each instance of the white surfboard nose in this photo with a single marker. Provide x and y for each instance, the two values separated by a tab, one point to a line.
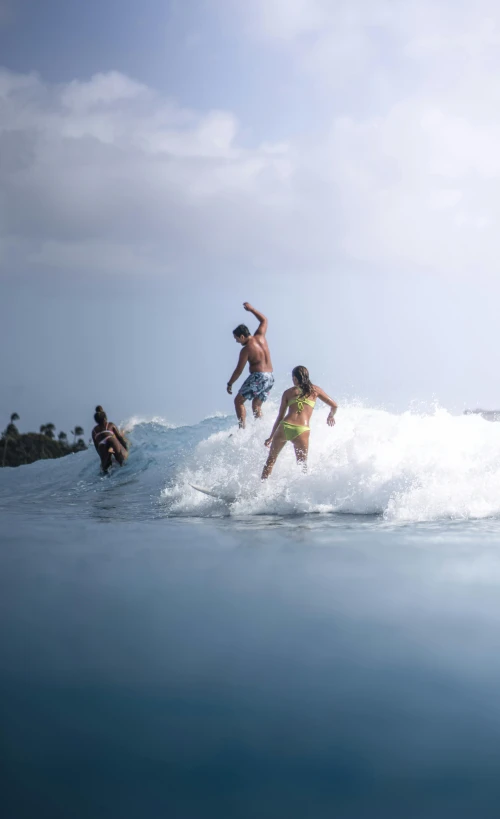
214	494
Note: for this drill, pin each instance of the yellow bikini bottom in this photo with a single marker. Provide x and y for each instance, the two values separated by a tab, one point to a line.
293	430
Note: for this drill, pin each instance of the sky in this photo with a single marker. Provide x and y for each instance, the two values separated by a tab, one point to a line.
334	163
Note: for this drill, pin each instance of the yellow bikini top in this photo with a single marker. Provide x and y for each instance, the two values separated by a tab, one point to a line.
300	401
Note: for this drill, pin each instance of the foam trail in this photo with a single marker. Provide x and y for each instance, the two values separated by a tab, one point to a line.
407	467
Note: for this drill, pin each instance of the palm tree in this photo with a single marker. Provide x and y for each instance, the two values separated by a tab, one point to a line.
50	430
11	430
76	431
62	437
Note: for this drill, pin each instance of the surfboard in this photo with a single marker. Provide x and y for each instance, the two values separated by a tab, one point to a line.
214	494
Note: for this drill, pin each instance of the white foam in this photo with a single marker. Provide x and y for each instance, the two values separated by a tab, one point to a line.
408	467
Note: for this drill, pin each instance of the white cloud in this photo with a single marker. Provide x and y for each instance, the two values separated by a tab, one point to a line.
110	174
430	26
110	161
412	90
102	91
288	19
372	52
419	188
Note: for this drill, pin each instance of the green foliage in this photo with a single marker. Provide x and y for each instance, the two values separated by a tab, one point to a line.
75	432
11	432
32	446
50	430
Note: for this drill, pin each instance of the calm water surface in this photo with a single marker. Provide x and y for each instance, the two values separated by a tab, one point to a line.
241	666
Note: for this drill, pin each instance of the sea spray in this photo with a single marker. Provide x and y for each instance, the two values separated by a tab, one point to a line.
407	467
402	467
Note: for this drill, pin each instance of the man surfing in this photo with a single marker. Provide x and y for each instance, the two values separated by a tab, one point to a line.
255	351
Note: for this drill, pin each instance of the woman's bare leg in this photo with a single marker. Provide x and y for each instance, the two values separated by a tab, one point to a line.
119	452
106	458
277	445
113	449
301	446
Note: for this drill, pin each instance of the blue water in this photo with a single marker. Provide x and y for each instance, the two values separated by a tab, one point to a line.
327	646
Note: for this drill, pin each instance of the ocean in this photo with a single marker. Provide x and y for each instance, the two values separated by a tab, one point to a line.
325	646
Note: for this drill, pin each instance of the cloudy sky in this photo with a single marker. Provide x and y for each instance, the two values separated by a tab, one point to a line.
336	162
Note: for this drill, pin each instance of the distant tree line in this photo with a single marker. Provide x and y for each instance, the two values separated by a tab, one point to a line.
24	448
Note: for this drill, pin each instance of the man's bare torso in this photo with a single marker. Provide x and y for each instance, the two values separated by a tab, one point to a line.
259	357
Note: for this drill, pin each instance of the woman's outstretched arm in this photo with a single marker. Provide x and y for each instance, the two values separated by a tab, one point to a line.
330	402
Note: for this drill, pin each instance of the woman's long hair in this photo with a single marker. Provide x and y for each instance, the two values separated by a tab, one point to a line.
302	376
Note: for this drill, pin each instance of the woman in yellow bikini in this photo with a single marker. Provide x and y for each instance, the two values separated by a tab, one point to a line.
299	400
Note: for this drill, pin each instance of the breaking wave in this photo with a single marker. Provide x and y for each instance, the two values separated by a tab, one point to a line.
406	467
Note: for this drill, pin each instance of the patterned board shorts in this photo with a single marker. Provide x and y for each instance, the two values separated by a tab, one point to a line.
257	385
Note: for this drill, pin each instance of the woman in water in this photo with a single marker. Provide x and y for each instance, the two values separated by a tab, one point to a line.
299	400
108	440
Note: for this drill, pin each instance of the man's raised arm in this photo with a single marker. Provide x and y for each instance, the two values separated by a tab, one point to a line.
262	328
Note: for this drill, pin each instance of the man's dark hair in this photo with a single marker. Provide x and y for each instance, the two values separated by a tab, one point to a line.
241	330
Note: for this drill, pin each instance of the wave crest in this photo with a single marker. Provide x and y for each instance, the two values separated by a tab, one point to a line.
408	467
